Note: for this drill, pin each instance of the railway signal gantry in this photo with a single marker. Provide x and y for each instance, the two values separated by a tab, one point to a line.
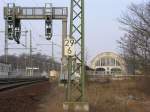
75	87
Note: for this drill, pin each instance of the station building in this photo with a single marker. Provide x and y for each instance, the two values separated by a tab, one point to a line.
109	63
4	70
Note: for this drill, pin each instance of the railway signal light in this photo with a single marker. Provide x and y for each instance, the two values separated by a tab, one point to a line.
10	19
48	33
10	28
17	31
48	27
10	32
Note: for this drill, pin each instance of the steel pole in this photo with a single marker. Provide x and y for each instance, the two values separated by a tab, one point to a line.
63	58
6	43
82	51
31	71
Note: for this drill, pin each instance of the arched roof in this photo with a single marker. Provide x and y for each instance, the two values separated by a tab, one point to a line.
108	55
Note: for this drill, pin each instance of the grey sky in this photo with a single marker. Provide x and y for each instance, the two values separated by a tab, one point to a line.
102	28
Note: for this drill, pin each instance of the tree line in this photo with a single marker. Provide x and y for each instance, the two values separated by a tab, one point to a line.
43	62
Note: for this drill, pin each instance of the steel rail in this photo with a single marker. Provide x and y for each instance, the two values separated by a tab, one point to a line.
13	85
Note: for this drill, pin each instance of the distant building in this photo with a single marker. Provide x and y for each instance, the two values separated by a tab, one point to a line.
4	70
108	63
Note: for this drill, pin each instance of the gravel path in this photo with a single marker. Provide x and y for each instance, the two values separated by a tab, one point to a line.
23	99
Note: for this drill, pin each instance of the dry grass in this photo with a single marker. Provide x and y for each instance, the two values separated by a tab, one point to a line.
113	96
143	85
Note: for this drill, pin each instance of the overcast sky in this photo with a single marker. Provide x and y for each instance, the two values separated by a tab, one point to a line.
101	25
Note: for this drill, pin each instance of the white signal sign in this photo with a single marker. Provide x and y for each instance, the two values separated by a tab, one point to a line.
69	46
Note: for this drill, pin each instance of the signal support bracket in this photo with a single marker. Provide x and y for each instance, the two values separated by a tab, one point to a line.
14	14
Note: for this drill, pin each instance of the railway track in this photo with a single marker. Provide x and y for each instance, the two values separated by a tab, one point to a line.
8	84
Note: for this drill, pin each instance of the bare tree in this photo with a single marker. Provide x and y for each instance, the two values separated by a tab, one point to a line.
136	41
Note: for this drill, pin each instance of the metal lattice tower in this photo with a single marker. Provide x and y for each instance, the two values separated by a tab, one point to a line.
76	88
77	65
